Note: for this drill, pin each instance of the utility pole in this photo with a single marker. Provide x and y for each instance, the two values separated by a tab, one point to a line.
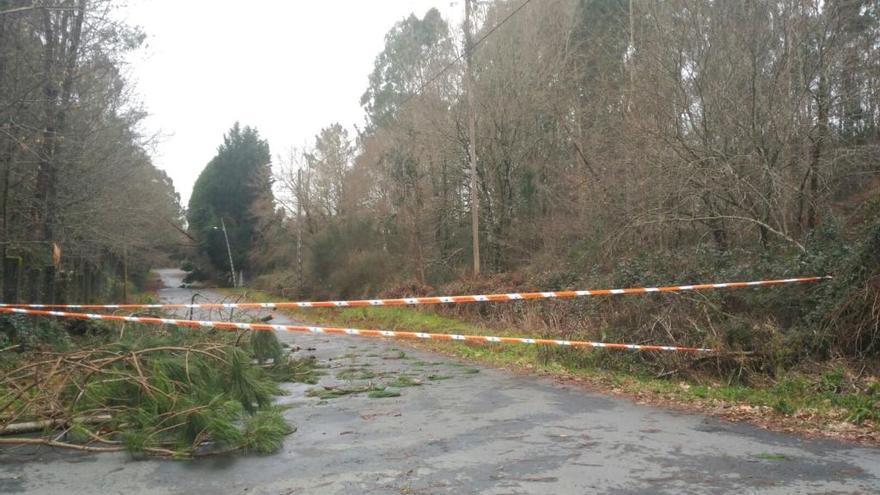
472	135
228	251
299	229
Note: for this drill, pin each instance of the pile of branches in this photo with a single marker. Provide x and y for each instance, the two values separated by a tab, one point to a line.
174	393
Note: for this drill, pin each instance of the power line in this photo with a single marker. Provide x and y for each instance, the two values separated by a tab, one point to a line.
35	6
459	57
19	9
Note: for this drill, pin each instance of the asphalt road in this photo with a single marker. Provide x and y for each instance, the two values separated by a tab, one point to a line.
465	430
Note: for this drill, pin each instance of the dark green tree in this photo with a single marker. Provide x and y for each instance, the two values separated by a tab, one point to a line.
230	190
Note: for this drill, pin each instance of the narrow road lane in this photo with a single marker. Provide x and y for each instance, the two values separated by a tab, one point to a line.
464	430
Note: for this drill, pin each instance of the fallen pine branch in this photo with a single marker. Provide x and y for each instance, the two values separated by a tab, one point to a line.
170	394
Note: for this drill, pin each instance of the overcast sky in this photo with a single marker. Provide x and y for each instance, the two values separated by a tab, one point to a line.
287	68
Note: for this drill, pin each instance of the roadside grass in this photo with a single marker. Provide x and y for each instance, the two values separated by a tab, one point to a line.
814	399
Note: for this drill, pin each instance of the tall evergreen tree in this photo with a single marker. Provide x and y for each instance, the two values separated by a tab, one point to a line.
227	190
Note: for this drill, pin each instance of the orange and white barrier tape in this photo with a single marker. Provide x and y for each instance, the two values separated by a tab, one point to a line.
225	325
503	297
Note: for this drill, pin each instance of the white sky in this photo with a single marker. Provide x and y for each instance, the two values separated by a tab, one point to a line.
287	68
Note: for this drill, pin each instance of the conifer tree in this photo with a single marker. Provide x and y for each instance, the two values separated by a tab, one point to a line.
236	179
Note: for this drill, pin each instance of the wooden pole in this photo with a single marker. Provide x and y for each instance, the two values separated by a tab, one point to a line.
472	137
299	233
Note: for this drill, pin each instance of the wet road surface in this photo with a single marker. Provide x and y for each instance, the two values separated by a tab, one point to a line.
466	429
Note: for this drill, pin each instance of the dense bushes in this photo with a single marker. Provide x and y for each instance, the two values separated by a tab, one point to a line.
347	259
847	316
773	327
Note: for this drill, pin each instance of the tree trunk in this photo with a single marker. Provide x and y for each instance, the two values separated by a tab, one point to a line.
810	196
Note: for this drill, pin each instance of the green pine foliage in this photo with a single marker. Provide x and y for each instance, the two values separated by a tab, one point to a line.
266	347
264	430
173	393
246	383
